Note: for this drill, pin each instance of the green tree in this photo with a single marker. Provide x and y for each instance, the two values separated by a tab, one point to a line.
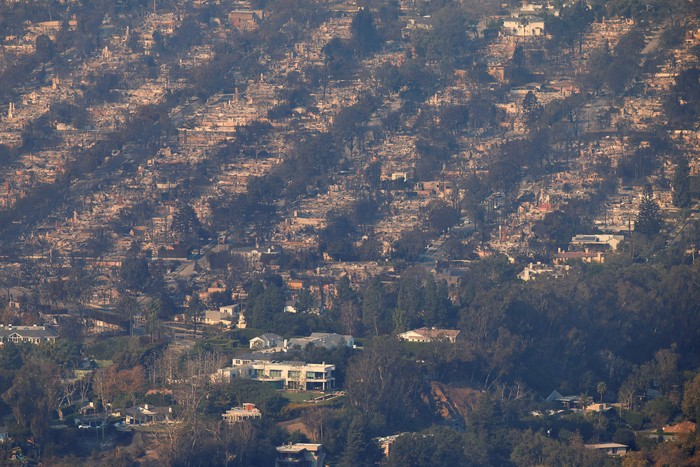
626	61
372	173
45	48
411	299
518	70
349	124
659	411
681	184
442	216
134	273
683	102
445	312
381	383
454	118
359	449
337	239
446	42
666	368
265	306
370	250
532	109
338	61
65	112
365	37
410	245
34	395
538	449
185	223
344	291
585	401
374	308
305	300
153	311
691	398
578	17
438	446
598	64
6	155
649	217
601	389
10	357
195	311
128	307
240	391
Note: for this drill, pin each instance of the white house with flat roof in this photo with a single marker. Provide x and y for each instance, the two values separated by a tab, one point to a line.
611	449
306	454
284	375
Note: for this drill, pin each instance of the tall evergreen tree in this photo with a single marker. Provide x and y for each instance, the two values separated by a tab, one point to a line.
649	217
532	109
185	222
446	313
265	306
374	308
359	449
681	184
365	37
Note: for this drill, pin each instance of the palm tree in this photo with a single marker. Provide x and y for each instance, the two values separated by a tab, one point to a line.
584	400
152	311
602	388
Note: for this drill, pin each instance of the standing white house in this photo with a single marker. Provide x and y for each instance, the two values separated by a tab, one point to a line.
30	334
265	341
282	375
430	335
247	411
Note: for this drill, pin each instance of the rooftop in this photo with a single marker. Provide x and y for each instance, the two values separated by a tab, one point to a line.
299	447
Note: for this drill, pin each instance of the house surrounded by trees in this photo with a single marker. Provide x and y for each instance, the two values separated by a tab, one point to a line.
33	334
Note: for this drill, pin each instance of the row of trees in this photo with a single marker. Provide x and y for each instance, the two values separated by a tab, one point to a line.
617	68
514	332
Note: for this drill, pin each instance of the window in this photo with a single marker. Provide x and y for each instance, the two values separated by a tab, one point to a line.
292	374
275	373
